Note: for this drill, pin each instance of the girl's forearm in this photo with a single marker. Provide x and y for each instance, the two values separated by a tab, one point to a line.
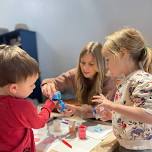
135	113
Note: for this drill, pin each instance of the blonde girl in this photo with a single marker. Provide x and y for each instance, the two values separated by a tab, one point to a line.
130	60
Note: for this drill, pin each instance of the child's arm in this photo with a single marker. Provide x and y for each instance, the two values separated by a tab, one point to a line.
138	98
28	115
136	113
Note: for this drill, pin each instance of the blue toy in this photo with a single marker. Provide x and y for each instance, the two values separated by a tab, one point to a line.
57	97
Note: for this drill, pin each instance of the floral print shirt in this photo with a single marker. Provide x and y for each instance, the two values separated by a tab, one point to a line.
135	90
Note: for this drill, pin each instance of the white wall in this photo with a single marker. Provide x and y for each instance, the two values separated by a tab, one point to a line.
64	26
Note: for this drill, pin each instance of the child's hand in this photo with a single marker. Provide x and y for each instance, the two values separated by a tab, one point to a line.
104	114
103	101
48	89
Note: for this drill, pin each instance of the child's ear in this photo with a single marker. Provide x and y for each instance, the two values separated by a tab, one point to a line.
13	88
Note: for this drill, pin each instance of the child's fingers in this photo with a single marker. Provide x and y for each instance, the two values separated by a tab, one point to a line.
97	100
100	98
96	97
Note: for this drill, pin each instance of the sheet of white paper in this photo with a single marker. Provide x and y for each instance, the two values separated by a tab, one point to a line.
48	142
98	131
77	145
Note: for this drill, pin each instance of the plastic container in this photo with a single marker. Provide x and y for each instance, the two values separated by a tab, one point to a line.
82	131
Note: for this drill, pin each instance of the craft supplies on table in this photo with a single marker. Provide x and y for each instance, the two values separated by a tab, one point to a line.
61	141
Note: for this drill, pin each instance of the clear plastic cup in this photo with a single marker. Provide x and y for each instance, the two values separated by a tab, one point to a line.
72	129
56	125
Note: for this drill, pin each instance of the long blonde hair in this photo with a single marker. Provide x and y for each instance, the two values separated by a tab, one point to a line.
133	41
84	93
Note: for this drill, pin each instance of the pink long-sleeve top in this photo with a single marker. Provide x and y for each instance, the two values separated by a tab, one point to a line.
66	82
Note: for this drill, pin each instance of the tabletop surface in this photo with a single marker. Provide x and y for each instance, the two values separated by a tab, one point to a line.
108	144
